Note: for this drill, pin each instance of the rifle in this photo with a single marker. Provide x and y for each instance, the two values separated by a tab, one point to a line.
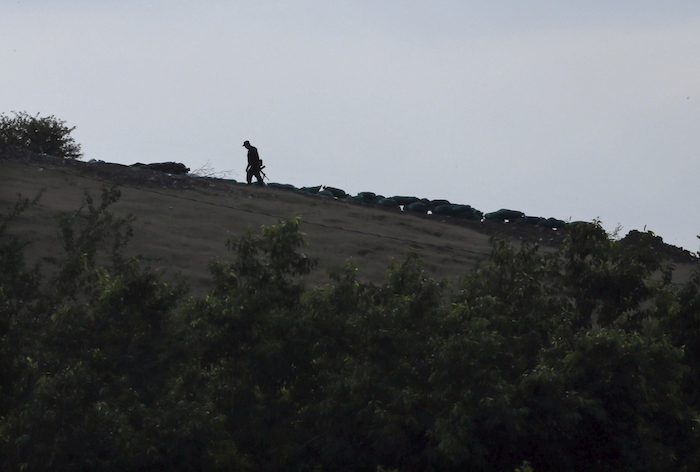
261	170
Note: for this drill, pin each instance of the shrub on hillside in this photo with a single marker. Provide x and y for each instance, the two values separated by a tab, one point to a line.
580	359
47	135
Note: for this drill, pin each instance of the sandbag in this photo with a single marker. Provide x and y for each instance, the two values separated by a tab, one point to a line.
387	202
311	189
167	167
552	223
504	214
367	197
445	210
471	214
282	186
338	193
437	203
405	200
453	209
418	207
459	209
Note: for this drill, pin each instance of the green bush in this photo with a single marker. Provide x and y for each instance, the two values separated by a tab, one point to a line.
573	360
47	135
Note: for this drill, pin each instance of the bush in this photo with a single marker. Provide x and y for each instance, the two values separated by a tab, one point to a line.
47	135
580	359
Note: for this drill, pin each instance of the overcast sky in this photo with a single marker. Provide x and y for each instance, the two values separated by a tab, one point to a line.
557	108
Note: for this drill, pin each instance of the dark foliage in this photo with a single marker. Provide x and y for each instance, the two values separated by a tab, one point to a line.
44	135
582	359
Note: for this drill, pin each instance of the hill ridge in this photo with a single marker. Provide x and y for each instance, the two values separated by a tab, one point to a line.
372	235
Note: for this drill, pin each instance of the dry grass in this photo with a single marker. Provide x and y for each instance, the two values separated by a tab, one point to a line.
182	222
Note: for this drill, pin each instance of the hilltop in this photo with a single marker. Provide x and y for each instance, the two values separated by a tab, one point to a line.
182	221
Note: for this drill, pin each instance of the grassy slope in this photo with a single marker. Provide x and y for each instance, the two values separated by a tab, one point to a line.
183	222
186	228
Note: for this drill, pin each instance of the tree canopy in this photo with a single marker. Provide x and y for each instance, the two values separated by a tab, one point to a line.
582	359
44	135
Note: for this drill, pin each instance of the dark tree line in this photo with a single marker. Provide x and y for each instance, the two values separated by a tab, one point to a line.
583	359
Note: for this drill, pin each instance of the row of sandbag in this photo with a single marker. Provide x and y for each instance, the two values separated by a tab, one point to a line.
514	216
436	207
167	167
412	204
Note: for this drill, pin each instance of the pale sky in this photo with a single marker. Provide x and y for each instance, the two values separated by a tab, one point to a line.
557	108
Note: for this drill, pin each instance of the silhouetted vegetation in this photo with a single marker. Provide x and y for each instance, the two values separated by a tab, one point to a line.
578	360
44	135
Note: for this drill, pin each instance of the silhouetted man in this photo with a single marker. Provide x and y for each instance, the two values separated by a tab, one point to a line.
254	164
